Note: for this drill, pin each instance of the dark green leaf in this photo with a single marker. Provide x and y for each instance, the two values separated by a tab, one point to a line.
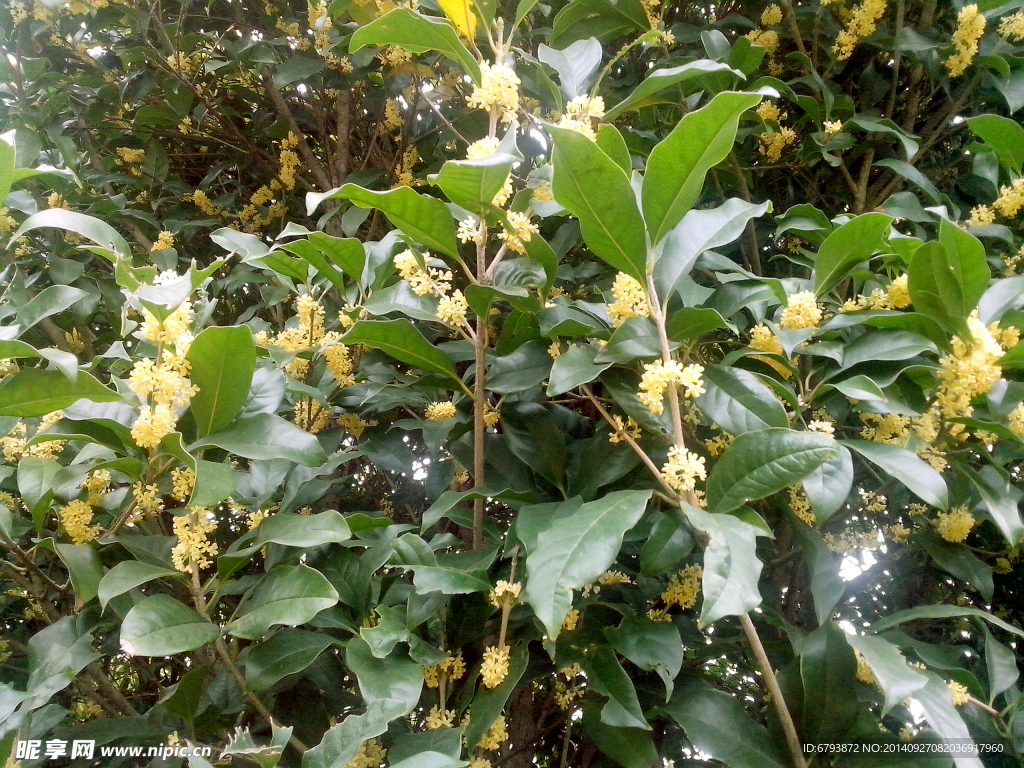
653	646
267	436
758	464
737	402
127	575
906	467
846	247
660	79
161	626
1004	135
827	668
223	361
828	486
287	652
401	339
897	679
290	594
607	677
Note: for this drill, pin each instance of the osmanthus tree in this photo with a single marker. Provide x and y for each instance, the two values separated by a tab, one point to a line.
512	384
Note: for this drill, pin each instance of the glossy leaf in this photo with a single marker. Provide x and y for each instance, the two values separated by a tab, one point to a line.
266	436
897	679
761	463
737	402
677	166
848	246
161	626
35	392
828	486
403	341
287	652
127	575
661	79
223	361
575	550
591	186
290	594
906	467
827	668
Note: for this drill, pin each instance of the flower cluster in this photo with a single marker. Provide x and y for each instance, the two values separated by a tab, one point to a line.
860	24
95	485
802	311
518	231
955	525
369	755
495	735
895	296
683	469
76	517
959	693
1012	27
194	547
657	377
498	89
763	340
422	281
440	718
970	27
505	592
970	369
630	300
439	411
611	578
801	506
164	241
494	668
452	668
864	673
1011	199
451	310
629	428
683	587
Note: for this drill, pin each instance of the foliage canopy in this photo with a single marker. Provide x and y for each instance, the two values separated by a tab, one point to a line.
582	383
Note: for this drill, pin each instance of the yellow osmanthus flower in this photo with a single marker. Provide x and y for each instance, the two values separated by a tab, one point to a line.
891	428
683	587
491	415
454	667
288	160
1012	27
611	578
311	415
519	231
470	231
8	222
657	377
766	38
981	216
955	525
832	127
860	24
339	363
583	108
802	311
864	672
630	300
422	281
571	620
555	349
76	517
494	668
874	503
773	143
183	480
763	340
769	110
1011	199
479	762
163	242
970	27
354	424
800	505
683	469
970	370
451	310
131	156
1015	421
194	547
498	89
147	502
495	735
541	193
624	429
898	533
771	16
369	755
445	409
582	127
958	693
505	592
200	199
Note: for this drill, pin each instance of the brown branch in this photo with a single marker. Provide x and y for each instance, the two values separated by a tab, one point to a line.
343	124
792	739
749	243
307	154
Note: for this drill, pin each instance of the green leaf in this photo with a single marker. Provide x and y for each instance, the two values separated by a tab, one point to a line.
699	231
731	566
846	247
49	301
389	687
653	646
592	187
295	68
449	499
940	612
416	33
943	717
83	564
958	560
223	361
403	341
910	146
1000	498
629	747
717	725
127	575
241	743
828	486
607	677
612	144
266	436
691	323
905	466
758	464
884	345
937	289
897	679
575	550
290	594
534	436
288	651
737	402
290	530
573	368
677	166
966	257
447	581
914	176
215	480
474	183
827	586
55	655
660	79
528	366
425	219
7	160
576	65
1001	665
827	668
670	541
88	227
1004	135
34	392
161	626
488	703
